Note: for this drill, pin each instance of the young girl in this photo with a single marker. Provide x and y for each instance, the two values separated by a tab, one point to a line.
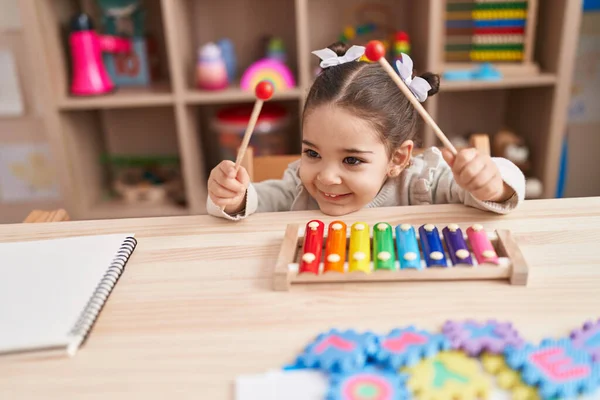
357	142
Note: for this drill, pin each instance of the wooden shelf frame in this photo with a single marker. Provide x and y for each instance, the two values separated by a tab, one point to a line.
535	107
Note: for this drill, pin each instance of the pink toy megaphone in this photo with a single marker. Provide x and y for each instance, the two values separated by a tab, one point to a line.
89	74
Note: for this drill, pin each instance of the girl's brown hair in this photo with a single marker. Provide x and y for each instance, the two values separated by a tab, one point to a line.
365	90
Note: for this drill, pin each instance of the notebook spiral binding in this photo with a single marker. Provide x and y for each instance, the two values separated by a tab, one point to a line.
90	313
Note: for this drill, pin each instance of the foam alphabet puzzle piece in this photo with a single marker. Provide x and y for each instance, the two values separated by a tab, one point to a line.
337	351
588	339
406	346
556	367
449	375
507	378
369	383
476	337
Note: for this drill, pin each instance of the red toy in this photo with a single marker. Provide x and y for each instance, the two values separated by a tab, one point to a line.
89	73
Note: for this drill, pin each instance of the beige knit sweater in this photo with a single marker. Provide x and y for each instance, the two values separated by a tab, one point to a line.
428	180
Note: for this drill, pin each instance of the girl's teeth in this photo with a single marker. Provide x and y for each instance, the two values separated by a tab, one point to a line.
330	195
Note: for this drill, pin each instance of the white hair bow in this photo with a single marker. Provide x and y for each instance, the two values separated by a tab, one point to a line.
330	58
417	85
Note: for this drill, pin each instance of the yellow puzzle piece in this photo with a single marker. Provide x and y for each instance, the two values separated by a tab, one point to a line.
450	375
508	378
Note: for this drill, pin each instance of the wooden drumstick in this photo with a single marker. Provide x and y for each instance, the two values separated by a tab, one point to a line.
375	51
263	91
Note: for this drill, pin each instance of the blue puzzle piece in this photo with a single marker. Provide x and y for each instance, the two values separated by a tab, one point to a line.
369	383
408	346
556	367
337	351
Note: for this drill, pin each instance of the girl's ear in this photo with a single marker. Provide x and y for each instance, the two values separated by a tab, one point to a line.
400	158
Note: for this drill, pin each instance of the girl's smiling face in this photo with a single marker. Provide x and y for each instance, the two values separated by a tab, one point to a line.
344	162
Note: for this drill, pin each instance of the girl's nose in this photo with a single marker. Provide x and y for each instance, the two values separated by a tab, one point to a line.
329	176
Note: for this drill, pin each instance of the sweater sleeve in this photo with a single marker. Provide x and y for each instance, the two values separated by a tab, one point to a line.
266	196
435	184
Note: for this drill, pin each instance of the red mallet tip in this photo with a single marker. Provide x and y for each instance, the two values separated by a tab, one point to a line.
264	90
375	50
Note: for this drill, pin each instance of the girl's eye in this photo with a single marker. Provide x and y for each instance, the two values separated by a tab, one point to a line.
352	161
311	153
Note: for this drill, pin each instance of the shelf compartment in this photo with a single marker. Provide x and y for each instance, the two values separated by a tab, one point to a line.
125	137
330	18
56	17
201	22
507	82
463	113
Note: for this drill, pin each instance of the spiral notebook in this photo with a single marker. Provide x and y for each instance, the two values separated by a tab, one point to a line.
52	291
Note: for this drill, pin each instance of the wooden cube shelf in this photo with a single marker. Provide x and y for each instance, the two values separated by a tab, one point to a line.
535	106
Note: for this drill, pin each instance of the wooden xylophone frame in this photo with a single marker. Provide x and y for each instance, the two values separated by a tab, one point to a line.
516	271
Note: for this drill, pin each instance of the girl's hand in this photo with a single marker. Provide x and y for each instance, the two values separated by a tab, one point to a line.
478	174
228	189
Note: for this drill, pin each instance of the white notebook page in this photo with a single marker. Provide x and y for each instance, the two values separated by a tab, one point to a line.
45	285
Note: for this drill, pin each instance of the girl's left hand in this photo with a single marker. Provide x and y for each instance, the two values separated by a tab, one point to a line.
478	174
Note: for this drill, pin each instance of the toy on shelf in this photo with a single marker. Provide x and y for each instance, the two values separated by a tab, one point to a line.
125	18
228	54
401	253
211	70
276	49
513	147
352	32
271	70
401	45
350	364
146	180
497	32
483	72
367	21
271	67
90	76
137	68
270	136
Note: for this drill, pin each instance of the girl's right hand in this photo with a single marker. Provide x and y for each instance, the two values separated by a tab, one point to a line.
228	189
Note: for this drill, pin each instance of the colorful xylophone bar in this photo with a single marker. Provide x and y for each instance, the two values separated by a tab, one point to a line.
381	251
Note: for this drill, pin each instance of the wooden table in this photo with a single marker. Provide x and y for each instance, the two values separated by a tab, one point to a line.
195	307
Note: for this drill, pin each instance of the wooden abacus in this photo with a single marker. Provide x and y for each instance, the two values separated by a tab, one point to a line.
343	254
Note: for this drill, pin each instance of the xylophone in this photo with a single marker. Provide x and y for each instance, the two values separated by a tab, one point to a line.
402	253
